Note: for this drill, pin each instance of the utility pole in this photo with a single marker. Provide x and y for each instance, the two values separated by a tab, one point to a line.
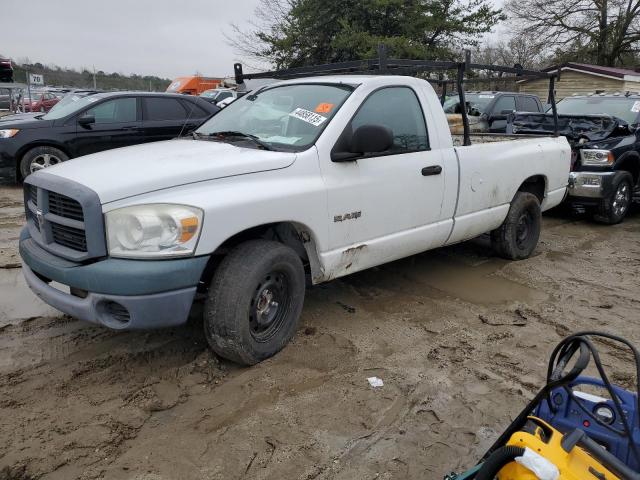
94	78
28	90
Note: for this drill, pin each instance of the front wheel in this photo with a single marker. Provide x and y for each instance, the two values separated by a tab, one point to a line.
254	301
40	157
613	209
517	237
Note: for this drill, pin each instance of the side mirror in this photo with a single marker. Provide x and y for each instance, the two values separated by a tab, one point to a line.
86	120
366	140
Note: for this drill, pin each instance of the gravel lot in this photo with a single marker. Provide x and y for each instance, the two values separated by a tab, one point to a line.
460	339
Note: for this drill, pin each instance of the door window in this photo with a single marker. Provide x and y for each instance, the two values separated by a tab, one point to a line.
528	104
164	109
115	111
397	108
505	103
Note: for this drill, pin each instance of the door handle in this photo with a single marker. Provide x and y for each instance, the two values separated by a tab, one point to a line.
433	170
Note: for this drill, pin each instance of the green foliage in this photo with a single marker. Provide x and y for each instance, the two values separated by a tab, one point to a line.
65	77
323	31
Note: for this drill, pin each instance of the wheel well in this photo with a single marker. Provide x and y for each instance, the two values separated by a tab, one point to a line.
537	185
631	164
294	235
21	153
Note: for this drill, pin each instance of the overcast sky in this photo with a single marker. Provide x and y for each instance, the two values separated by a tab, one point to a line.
148	37
152	37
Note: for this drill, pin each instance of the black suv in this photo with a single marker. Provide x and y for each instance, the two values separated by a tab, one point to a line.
488	111
6	70
94	123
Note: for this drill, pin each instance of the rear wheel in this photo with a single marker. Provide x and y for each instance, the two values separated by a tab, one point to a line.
254	301
612	210
518	235
40	157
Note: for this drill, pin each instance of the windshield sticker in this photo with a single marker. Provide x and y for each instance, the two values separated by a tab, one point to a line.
635	107
307	116
92	99
324	107
283	140
486	96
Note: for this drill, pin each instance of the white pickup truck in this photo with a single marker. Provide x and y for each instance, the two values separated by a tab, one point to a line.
302	181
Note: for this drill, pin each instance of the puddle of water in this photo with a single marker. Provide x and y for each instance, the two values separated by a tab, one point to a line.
477	283
17	301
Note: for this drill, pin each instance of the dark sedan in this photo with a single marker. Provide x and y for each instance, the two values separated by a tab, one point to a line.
95	123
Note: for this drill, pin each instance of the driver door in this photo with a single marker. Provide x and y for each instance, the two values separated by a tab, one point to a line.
390	203
116	125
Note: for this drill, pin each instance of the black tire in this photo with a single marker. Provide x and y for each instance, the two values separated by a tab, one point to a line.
43	156
254	301
613	209
518	236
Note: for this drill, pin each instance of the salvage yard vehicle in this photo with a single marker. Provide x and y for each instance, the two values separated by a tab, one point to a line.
303	180
194	85
94	123
39	102
489	110
603	132
6	70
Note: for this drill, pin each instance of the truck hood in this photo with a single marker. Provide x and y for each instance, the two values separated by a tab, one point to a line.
125	172
593	128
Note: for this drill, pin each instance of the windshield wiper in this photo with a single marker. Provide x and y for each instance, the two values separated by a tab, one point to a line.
232	133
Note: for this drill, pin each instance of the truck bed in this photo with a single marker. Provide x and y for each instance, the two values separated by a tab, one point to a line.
477	138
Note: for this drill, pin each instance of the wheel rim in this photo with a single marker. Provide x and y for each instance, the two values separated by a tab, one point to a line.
270	306
621	199
43	161
523	227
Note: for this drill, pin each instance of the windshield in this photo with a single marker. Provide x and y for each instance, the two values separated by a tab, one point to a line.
289	117
477	101
68	105
624	108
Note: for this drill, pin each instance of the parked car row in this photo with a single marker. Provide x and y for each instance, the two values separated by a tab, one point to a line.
90	122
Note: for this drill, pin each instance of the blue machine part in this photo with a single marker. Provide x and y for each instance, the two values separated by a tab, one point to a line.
569	416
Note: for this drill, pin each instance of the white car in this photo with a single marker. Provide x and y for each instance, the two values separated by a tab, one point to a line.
304	180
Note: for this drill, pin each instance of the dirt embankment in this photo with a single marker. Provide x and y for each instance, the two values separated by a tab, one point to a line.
460	339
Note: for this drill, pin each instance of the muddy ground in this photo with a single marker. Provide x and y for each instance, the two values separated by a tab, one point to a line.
460	339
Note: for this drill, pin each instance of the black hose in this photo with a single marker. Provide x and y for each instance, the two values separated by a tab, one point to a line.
497	460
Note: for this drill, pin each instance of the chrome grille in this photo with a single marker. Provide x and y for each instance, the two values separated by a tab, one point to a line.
64	206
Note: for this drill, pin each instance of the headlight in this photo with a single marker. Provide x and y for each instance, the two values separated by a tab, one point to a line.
8	133
154	230
596	158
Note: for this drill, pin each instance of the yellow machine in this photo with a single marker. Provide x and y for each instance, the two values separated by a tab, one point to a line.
542	438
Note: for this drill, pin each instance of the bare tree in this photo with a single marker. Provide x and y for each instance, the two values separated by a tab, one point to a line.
604	31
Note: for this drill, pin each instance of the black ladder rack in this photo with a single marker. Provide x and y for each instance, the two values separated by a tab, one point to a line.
393	66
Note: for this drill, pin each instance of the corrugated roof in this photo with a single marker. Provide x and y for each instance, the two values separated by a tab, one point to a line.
610	71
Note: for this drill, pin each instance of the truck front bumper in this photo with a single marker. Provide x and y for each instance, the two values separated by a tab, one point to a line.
592	186
119	294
